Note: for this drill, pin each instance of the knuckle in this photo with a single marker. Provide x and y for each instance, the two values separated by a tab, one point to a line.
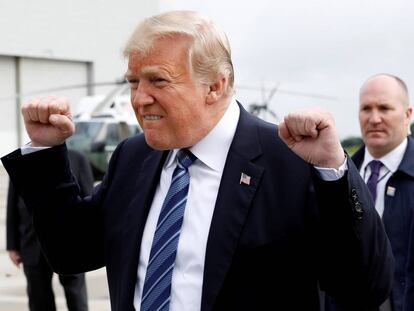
32	105
43	107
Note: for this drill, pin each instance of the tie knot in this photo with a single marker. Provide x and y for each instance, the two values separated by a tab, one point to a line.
185	158
375	166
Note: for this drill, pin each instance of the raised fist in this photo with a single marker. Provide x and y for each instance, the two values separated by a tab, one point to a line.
48	121
312	135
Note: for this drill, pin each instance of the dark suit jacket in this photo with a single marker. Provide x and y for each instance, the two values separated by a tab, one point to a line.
270	245
20	235
398	222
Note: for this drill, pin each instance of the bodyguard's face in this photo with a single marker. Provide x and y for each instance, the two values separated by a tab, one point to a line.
383	116
169	103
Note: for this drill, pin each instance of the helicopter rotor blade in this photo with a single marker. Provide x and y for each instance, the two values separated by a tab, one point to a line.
272	113
272	93
288	92
62	88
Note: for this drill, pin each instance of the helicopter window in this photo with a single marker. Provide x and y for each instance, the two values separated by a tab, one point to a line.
87	129
134	129
112	135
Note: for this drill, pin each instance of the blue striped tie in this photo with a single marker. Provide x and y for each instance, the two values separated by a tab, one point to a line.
157	284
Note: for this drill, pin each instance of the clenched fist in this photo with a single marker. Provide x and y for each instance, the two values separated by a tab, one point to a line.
48	121
312	135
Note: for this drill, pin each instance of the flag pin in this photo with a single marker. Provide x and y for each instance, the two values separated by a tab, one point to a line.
390	191
245	179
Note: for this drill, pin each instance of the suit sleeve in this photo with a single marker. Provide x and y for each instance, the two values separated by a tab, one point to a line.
12	220
356	263
69	227
82	171
408	304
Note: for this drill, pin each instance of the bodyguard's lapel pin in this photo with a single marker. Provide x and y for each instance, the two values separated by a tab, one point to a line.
245	179
390	191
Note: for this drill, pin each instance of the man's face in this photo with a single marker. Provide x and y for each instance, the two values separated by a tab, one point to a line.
169	103
383	116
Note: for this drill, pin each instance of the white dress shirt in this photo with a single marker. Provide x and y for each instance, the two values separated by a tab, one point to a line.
205	177
390	163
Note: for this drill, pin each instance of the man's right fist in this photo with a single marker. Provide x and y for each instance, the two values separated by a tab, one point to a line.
48	121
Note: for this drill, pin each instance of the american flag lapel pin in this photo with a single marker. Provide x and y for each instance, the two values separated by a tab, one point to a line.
245	179
390	191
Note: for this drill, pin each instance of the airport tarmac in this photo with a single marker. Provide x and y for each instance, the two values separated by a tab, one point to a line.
13	283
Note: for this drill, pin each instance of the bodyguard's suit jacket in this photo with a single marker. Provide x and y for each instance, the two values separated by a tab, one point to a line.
20	234
398	222
271	243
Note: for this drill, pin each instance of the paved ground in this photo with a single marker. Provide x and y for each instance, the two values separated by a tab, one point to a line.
13	284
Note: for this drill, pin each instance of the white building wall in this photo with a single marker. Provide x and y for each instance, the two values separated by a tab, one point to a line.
8	113
81	39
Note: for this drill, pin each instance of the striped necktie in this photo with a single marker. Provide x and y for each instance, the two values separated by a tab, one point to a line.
157	284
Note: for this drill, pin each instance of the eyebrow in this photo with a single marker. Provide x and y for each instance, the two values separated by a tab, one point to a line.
146	71
150	70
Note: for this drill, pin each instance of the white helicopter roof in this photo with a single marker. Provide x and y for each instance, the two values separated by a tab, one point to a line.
116	105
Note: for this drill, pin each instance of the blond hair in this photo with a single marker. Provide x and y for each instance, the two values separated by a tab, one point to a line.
209	55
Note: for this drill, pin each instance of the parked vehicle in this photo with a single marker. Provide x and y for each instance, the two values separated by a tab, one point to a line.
102	125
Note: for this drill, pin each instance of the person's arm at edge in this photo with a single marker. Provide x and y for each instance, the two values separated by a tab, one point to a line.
12	226
58	241
354	248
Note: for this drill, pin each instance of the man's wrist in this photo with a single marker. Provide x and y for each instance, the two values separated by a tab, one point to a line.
29	148
332	174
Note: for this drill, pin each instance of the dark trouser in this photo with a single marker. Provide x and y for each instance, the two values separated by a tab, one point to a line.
40	291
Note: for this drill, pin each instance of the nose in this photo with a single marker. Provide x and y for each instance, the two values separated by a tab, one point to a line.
375	117
141	96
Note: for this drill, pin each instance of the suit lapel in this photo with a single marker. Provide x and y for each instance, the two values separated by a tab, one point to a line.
135	220
392	207
406	167
407	164
233	202
358	157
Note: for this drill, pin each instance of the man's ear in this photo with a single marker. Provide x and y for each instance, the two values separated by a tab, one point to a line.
216	90
409	112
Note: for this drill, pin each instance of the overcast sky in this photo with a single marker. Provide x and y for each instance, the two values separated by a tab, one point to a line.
320	47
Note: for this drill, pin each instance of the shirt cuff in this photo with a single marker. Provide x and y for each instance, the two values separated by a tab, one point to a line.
28	148
332	174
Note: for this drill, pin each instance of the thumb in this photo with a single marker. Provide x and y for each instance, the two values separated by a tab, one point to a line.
285	135
62	123
283	131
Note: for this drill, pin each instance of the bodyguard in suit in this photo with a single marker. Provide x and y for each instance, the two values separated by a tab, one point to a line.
384	116
210	209
23	247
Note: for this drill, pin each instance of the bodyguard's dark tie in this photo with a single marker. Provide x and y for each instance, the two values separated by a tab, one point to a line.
157	284
375	166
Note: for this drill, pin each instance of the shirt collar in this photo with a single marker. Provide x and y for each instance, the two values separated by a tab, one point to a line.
391	160
213	148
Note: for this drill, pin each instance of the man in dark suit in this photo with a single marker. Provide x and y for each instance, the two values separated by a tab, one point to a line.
384	116
23	247
246	223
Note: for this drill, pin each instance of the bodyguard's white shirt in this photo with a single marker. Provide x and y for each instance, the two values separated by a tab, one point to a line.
390	162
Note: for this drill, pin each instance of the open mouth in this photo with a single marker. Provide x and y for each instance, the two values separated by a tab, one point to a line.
152	117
